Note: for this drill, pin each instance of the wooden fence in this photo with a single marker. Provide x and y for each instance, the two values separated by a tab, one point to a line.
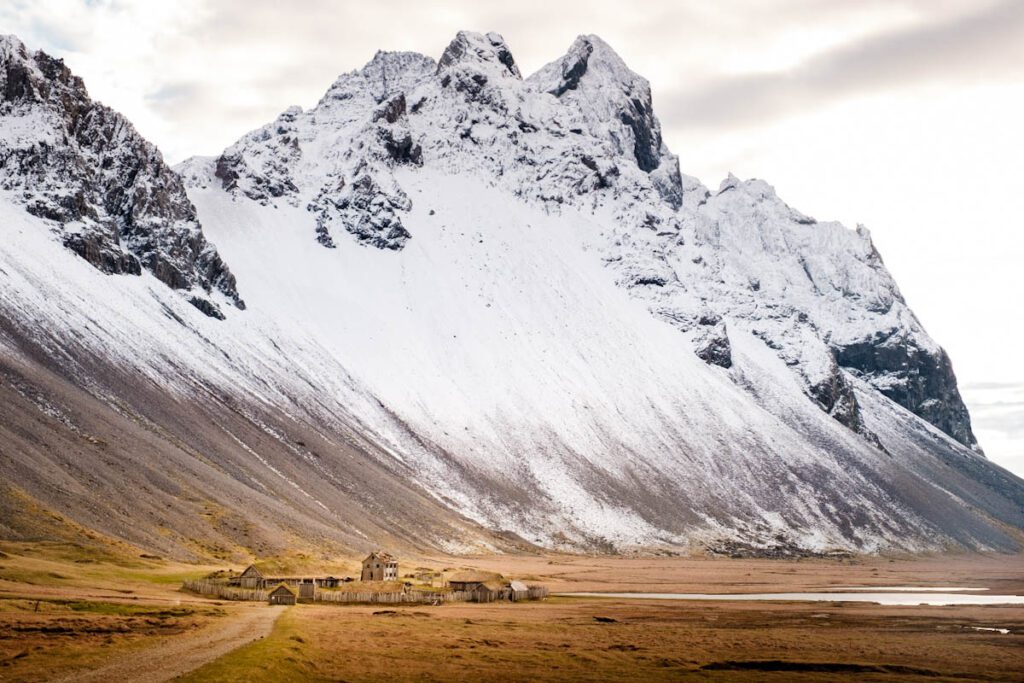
221	590
536	592
408	597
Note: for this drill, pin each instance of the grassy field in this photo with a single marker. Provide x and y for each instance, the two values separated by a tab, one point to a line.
595	640
69	611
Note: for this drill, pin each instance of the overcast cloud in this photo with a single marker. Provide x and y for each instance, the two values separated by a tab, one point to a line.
901	114
983	43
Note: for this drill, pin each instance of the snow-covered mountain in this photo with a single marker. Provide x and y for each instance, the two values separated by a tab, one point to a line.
482	311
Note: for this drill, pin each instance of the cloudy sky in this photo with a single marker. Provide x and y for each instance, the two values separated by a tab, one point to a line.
904	115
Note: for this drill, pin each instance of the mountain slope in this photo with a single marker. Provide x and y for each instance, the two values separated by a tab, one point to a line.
483	310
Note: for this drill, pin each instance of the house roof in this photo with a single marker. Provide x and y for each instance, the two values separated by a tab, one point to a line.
252	571
474	577
518	586
493	585
282	589
379	555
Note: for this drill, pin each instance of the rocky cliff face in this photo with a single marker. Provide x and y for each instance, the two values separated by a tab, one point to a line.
108	193
582	132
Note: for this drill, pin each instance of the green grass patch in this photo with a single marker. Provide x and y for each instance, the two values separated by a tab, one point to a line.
285	655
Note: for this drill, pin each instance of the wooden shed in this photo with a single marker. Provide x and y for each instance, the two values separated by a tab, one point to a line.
517	590
485	586
282	595
251	578
379	566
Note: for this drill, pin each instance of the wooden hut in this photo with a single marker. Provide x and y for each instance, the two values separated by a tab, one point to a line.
251	578
379	566
485	586
282	595
517	590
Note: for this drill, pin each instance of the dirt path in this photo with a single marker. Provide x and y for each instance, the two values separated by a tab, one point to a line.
179	655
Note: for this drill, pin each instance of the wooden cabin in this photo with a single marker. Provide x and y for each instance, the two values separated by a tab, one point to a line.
379	566
485	586
282	595
251	578
517	590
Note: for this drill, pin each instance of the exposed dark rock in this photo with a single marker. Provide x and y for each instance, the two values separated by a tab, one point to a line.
713	346
916	378
107	257
392	109
364	209
225	170
323	236
639	116
206	306
573	69
401	148
835	396
263	187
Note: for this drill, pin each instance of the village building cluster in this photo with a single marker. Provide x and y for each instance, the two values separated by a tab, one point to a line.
380	566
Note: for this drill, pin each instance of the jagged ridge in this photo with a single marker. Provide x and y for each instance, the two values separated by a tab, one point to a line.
110	194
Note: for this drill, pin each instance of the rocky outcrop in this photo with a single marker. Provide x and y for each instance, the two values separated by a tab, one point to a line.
84	167
919	379
472	48
367	211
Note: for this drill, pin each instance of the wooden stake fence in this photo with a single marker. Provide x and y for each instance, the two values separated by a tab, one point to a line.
218	589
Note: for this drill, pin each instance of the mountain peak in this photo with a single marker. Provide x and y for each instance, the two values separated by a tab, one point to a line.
10	44
590	59
479	49
390	72
616	104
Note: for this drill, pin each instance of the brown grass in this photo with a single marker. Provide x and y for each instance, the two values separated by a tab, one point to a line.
43	638
596	640
96	608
